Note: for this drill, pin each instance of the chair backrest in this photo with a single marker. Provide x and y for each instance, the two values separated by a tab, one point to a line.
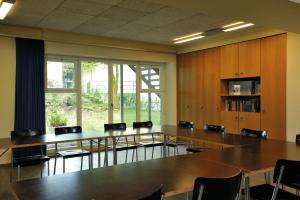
214	128
291	173
116	126
254	133
185	124
217	188
146	124
156	195
298	139
67	129
27	151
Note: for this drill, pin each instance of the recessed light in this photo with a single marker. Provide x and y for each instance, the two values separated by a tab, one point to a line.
237	27
233	24
189	39
187	36
5	7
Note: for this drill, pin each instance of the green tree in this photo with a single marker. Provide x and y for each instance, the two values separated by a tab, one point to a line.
89	67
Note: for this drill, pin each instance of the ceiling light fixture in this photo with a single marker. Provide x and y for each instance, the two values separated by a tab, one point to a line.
187	36
238	27
233	24
5	7
189	39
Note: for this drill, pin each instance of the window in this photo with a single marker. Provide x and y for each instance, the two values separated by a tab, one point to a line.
90	92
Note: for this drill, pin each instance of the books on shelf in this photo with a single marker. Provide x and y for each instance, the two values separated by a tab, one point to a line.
243	105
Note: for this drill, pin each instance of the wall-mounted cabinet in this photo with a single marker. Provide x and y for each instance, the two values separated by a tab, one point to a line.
205	78
240	60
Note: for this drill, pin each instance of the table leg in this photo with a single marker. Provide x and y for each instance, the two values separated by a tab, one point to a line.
247	187
165	146
114	151
91	149
99	154
105	152
11	166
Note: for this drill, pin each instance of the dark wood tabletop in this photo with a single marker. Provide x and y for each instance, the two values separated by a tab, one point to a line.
128	181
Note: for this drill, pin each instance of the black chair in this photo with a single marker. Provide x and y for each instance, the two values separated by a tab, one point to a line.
254	133
228	188
286	173
30	155
185	124
73	152
208	128
156	195
153	143
123	147
298	139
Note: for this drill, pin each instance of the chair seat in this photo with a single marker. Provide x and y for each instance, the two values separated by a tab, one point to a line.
73	153
195	149
151	144
122	147
265	191
31	160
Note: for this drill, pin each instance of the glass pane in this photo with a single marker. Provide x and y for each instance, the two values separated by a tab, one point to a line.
151	107
60	74
60	110
94	95
124	79
150	77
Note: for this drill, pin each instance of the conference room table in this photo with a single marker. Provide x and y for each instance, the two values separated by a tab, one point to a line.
251	155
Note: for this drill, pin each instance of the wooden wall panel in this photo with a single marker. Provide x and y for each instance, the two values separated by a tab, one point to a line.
273	86
229	61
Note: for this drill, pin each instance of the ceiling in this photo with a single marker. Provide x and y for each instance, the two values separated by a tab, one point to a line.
157	21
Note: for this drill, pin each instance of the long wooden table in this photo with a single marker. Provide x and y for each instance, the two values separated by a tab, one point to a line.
249	154
129	181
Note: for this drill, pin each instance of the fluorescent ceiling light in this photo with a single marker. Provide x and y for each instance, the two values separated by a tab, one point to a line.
189	39
187	36
5	8
295	1
233	24
237	27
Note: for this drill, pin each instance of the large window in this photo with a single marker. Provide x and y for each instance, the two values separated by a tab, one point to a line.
91	92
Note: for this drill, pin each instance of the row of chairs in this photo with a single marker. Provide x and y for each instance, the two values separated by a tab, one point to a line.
286	173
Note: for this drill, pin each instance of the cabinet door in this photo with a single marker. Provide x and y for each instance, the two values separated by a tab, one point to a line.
249	120
249	58
230	121
273	84
212	86
196	84
229	61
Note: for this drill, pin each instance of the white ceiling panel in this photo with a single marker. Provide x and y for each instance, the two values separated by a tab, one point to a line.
141	5
109	2
119	13
85	7
63	19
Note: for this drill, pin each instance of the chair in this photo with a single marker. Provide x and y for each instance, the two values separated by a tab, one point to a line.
207	128
228	188
174	142
254	133
156	195
286	173
70	153
122	147
28	156
298	139
153	143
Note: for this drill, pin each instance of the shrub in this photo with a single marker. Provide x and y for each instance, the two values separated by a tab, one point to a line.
55	119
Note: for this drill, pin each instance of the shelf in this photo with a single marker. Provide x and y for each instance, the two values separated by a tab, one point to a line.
240	95
239	111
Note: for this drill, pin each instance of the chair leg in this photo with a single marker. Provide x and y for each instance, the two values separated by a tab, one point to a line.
99	154
152	152
132	155
161	151
42	167
55	159
81	164
19	172
126	156
136	155
64	165
48	169
90	161
177	150
145	153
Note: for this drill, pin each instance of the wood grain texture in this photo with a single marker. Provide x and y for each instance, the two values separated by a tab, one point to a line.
229	61
249	58
230	120
250	120
212	86
273	86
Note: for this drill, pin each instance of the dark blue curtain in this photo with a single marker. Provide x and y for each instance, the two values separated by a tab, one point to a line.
30	94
